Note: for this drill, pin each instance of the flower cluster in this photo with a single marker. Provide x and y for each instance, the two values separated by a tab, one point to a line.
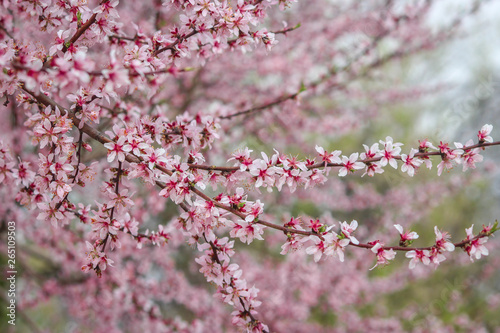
435	254
231	287
280	169
475	247
96	260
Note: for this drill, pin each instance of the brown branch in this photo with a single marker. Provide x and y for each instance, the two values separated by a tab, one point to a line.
172	46
80	32
460	244
6	32
131	39
262	107
134	73
252	33
284	31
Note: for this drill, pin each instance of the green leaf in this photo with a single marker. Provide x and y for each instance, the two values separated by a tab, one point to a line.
302	87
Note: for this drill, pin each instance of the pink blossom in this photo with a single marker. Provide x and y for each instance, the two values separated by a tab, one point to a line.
390	151
383	256
108	8
370	152
120	200
62	35
424	145
102	226
23	175
470	156
337	247
348	230
326	157
155	157
96	259
410	163
243	157
442	240
292	162
436	257
406	238
118	148
416	256
292	244
247	232
372	169
484	134
51	211
475	247
316	226
255	210
329	245
263	171
6	170
448	156
350	164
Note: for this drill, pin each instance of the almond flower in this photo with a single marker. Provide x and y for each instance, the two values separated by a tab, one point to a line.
391	150
449	155
442	242
350	164
410	163
247	232
370	152
243	157
475	247
372	169
327	157
256	209
330	245
484	134
424	147
406	237
470	156
383	256
319	246
96	259
62	35
416	256
118	148
315	225
348	229
263	171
